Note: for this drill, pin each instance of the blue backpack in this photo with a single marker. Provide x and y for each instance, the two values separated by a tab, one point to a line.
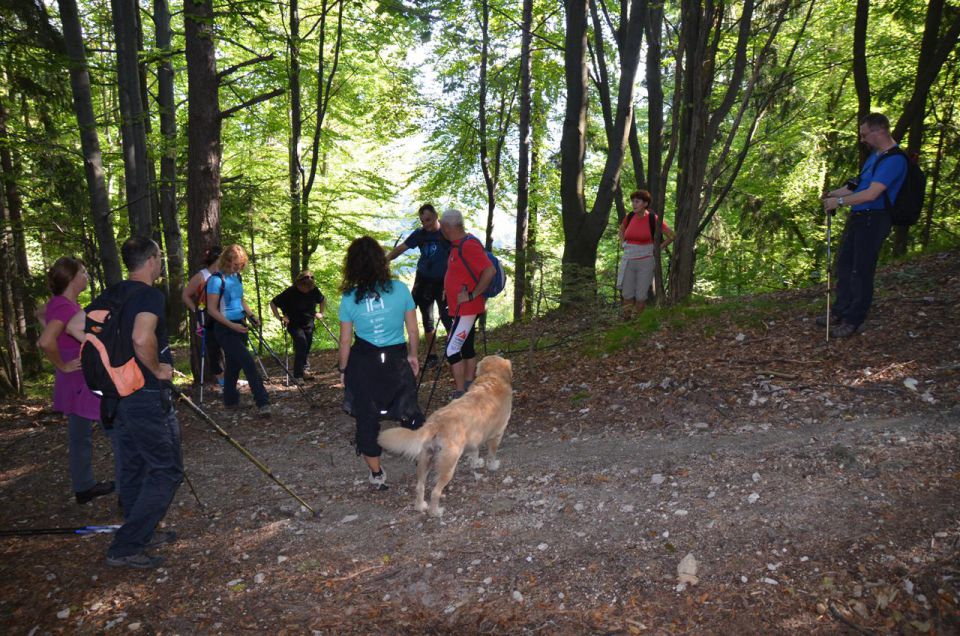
499	278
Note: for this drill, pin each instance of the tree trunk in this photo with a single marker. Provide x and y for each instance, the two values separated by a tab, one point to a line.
656	184
699	126
8	271
325	91
132	121
20	279
934	51
166	105
90	143
203	140
293	153
488	180
582	231
523	169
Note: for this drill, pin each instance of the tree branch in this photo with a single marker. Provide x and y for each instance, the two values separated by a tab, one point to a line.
236	67
262	97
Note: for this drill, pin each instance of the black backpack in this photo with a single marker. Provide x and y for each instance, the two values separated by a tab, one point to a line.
905	210
107	358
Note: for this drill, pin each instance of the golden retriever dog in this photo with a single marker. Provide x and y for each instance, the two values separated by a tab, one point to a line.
479	416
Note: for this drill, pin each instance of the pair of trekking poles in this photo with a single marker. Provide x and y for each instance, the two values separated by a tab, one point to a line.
258	330
200	413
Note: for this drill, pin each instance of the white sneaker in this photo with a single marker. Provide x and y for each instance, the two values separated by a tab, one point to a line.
379	481
242	383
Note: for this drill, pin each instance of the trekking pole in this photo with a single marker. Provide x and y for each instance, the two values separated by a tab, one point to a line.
286	355
829	272
80	530
285	368
203	349
222	433
423	370
436	376
193	490
336	341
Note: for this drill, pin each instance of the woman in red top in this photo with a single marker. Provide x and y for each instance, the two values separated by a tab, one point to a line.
636	267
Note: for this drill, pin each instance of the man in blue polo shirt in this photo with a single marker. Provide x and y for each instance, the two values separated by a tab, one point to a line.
868	224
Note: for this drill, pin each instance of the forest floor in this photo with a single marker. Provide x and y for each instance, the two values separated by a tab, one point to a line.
815	484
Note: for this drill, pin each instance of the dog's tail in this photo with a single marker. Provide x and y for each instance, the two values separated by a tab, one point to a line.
403	441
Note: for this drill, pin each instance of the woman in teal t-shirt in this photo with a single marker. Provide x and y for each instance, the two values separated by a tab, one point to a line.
379	367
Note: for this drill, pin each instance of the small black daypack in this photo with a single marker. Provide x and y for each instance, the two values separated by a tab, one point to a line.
905	209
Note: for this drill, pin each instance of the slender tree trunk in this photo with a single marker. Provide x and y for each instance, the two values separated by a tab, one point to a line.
485	159
14	365
203	140
523	169
90	143
166	104
293	154
326	73
23	303
132	119
657	185
934	51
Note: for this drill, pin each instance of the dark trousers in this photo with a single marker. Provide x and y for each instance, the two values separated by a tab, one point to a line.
380	383
302	342
149	466
238	358
210	347
857	263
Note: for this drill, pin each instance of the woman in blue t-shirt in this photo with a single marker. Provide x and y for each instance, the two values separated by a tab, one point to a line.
379	368
230	329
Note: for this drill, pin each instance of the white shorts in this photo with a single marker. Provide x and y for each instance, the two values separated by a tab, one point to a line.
637	276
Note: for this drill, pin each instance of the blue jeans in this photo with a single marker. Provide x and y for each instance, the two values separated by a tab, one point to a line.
857	263
80	432
237	357
150	467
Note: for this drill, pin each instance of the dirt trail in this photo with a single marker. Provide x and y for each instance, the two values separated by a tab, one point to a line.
817	491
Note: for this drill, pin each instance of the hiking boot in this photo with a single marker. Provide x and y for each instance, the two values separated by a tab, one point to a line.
161	537
140	561
843	330
379	480
264	412
99	489
457	394
834	320
431	361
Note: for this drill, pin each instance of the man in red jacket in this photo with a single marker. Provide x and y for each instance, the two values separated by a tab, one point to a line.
469	273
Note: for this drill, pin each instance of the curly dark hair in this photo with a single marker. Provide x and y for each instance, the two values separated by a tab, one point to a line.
365	269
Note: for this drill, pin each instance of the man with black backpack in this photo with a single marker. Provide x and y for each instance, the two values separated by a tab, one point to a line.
871	198
127	358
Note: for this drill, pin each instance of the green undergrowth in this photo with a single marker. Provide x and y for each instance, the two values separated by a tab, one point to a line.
710	316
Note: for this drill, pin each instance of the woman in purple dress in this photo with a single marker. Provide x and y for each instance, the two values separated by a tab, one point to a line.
66	279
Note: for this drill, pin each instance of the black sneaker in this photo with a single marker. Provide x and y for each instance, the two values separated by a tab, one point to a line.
843	330
99	489
161	537
834	320
140	561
